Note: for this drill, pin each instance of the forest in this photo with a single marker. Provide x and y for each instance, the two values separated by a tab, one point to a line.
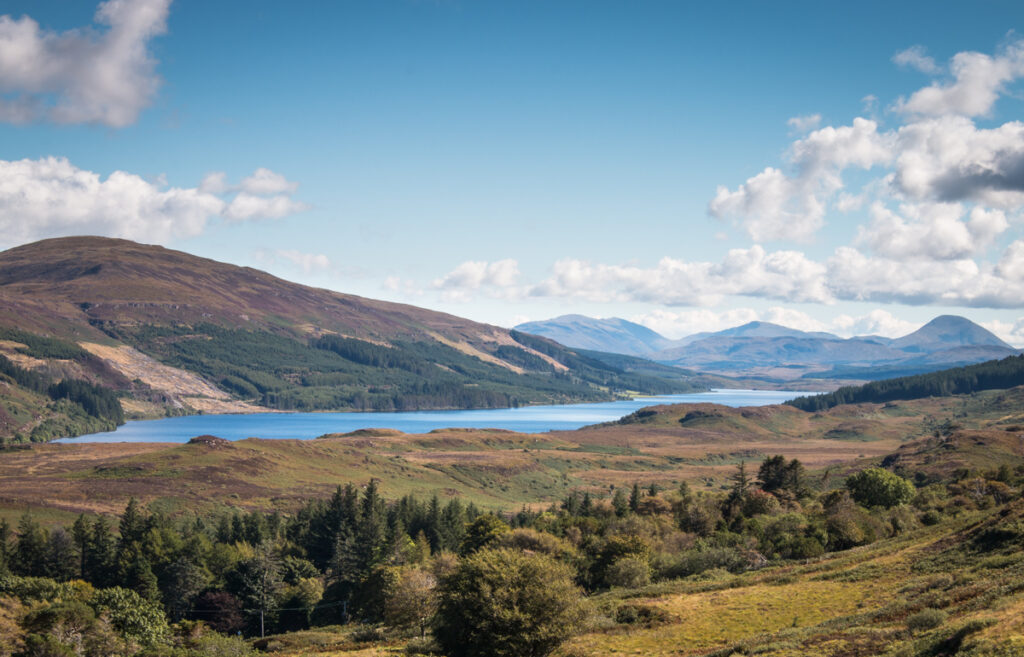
334	372
441	574
990	375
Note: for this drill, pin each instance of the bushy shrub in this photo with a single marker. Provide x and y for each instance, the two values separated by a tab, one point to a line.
637	614
628	572
506	603
926	619
879	487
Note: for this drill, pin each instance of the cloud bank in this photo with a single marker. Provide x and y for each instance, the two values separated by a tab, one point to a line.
51	197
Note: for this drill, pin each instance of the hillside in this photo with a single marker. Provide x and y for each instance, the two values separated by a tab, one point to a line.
1005	373
174	333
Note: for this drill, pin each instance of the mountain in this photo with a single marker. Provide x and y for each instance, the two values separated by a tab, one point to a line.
771	351
945	332
611	335
170	332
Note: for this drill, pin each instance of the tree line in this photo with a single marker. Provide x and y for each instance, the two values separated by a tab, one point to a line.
990	375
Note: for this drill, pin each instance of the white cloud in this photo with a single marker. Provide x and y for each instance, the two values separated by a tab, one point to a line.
855	276
1007	331
950	159
496	279
876	322
784	275
979	79
916	57
773	205
264	182
804	123
307	262
249	207
101	74
937	155
935	231
51	197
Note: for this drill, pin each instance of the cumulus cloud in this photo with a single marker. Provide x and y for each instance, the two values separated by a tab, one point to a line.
938	154
935	231
774	205
978	81
95	74
496	279
951	159
877	322
1011	332
785	275
804	123
247	207
917	58
51	197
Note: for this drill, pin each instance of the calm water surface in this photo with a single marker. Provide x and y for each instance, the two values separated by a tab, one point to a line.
530	419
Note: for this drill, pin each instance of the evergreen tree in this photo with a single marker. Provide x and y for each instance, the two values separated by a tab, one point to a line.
634	498
371	544
61	557
5	547
620	503
99	562
132	525
81	534
30	551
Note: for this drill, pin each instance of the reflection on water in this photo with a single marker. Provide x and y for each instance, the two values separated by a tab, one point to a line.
530	419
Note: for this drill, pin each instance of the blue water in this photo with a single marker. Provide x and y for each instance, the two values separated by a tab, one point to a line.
530	419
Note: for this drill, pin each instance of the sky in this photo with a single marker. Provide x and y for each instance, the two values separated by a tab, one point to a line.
850	167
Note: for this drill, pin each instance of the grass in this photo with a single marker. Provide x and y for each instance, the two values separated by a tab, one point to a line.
505	470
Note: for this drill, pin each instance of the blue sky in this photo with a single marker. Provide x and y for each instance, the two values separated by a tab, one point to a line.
687	166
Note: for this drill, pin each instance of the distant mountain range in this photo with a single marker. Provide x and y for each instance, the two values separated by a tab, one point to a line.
763	349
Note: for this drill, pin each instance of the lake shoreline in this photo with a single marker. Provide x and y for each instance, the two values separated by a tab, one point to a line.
540	418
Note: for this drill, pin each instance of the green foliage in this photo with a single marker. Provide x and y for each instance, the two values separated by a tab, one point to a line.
879	487
482	532
926	619
38	346
135	619
993	374
334	372
507	604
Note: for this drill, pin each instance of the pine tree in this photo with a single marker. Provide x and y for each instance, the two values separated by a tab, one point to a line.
132	525
30	552
80	532
620	503
99	562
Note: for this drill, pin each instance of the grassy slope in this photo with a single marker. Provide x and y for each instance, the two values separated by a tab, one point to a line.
849	603
845	604
699	443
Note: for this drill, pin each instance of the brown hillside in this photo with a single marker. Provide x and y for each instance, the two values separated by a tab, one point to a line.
68	285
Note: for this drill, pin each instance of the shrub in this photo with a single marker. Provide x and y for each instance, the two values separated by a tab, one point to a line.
628	572
637	614
879	487
507	604
926	619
